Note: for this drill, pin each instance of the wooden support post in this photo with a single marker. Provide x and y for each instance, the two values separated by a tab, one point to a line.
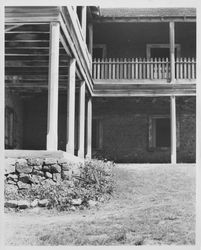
53	82
82	120
173	129
84	21
90	27
89	128
70	146
172	51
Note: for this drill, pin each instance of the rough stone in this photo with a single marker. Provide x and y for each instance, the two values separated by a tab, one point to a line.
23	167
50	161
47	168
66	167
22	204
55	168
34	203
10	165
35	162
11	204
9	181
22	185
56	177
76	171
62	161
48	182
66	175
48	175
11	188
76	202
36	179
25	178
72	208
92	203
37	167
43	203
37	172
13	177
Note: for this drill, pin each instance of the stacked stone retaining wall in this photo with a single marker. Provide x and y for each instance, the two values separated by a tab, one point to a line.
23	173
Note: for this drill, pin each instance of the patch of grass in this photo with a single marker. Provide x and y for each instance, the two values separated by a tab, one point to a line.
150	206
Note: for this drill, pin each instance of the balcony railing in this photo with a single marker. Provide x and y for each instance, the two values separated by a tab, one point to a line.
142	68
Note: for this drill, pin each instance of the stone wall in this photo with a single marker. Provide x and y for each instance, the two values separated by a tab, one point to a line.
125	128
23	173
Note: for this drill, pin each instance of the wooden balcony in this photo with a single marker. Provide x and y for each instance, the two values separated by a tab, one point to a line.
143	77
141	70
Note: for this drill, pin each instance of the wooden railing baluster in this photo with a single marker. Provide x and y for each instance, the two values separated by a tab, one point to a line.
141	68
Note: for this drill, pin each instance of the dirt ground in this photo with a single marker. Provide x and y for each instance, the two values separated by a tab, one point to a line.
151	205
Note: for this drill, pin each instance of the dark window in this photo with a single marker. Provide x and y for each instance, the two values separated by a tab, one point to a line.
162	132
161	52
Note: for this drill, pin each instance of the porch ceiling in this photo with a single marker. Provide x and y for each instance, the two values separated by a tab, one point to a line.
27	58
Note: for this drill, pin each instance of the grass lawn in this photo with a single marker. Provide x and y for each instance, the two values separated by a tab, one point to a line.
152	205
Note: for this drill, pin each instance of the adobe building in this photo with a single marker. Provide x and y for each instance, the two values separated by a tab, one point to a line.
108	83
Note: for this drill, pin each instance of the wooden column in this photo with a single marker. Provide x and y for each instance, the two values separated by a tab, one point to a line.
173	129
53	82
90	27
173	98
84	21
70	146
172	51
89	128
82	120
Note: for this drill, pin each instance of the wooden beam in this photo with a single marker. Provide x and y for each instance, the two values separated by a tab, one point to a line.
53	82
80	57
173	129
143	19
90	27
70	146
89	128
81	126
12	27
172	51
84	21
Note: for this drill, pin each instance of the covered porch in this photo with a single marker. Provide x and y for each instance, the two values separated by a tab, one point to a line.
47	57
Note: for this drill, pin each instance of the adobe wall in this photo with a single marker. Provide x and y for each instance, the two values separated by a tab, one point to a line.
130	39
125	125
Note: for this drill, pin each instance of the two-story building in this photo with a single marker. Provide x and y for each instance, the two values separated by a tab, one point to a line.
92	82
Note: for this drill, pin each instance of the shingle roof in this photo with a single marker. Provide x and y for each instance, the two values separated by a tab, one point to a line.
151	12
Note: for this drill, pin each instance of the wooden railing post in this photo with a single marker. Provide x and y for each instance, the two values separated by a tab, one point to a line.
172	51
